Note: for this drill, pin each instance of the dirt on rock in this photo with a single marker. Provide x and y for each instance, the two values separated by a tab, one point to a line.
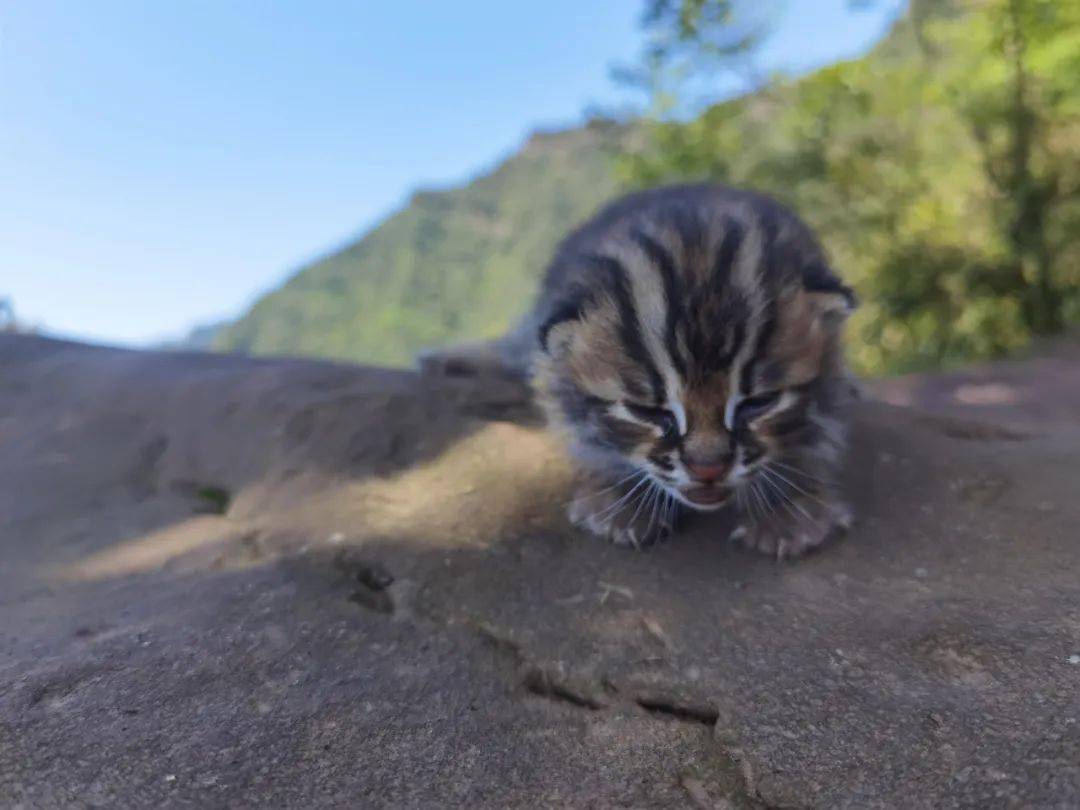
229	582
1040	391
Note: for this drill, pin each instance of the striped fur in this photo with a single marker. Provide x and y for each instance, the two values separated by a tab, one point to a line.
697	328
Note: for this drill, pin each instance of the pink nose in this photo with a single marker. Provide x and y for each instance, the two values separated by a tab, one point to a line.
706	473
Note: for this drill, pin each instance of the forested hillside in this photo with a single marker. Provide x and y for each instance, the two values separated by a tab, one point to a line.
454	264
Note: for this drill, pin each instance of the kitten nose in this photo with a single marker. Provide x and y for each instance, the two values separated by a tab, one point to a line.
706	473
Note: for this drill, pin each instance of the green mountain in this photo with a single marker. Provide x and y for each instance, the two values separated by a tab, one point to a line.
451	265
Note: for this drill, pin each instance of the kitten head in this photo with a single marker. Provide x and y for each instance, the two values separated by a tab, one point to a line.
697	357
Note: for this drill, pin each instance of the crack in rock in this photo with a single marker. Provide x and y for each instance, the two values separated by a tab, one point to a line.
738	788
536	679
686	713
540	682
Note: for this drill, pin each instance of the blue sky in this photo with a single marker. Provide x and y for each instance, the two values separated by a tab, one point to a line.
164	161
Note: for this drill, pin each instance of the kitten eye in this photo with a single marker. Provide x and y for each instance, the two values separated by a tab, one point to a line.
661	417
754	407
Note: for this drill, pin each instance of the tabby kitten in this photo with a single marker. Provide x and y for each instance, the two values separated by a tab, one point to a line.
687	342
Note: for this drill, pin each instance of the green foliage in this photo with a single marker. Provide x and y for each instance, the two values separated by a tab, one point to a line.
452	265
1010	70
941	172
714	30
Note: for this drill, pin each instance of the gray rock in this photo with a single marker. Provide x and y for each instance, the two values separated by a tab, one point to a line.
386	607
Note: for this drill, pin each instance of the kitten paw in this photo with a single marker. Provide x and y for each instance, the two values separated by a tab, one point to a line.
618	516
785	540
638	536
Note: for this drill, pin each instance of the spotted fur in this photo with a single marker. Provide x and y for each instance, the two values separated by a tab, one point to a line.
687	342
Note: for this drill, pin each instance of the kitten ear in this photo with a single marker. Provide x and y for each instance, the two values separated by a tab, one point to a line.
554	333
829	294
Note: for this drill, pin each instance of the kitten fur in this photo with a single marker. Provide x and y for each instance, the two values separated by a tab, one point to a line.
687	343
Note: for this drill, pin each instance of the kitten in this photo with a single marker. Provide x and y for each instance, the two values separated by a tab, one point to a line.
687	342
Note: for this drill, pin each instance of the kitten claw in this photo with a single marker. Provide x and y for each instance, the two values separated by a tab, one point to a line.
630	536
783	541
843	517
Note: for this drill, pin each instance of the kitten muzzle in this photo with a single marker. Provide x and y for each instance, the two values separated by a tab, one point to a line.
706	496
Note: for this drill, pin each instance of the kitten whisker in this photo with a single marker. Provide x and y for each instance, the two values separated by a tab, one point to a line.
766	469
657	504
765	489
783	500
788	502
798	471
612	511
617	484
650	502
747	504
750	507
760	501
649	492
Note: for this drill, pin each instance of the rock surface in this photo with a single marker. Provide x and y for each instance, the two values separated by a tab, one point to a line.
230	582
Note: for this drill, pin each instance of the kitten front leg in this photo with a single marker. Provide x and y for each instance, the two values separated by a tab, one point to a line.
788	511
628	509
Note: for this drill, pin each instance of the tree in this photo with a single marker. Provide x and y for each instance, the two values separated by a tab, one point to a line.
688	43
1010	69
941	171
